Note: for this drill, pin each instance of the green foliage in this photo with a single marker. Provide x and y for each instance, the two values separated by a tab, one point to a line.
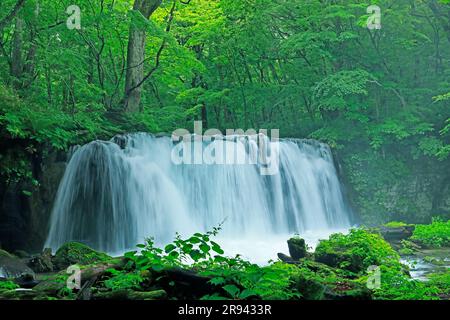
123	280
441	281
234	277
8	285
396	285
436	234
356	251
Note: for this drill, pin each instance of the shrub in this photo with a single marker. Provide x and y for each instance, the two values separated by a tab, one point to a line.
436	234
356	251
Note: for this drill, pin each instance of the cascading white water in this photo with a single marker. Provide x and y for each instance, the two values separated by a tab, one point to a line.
113	197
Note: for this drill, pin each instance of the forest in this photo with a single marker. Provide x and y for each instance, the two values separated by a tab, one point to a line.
91	90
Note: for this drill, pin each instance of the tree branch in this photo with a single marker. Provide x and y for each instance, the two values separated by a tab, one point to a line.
12	14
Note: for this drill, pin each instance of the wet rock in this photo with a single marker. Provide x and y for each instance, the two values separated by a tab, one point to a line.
286	258
42	263
12	267
297	248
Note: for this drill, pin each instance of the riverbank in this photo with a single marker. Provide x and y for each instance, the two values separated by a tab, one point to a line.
360	265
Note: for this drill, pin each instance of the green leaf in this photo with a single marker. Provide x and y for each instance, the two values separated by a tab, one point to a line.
232	290
169	248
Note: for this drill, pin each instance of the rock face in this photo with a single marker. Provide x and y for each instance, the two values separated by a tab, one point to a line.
76	253
24	219
297	248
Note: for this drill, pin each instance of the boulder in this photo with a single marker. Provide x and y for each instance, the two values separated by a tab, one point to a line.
286	258
397	233
342	260
73	253
297	248
309	288
12	267
347	290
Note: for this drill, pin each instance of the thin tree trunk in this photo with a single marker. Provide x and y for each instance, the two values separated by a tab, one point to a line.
17	63
136	55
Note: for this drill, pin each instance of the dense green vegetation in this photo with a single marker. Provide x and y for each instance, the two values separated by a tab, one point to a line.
196	267
311	69
436	234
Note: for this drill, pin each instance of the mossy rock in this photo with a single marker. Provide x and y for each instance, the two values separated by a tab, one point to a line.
356	251
297	248
4	253
73	253
342	260
12	267
348	290
309	288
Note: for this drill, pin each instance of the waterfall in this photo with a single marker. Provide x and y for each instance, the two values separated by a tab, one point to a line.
115	194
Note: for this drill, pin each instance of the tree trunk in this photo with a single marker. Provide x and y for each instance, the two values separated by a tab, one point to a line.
17	64
136	55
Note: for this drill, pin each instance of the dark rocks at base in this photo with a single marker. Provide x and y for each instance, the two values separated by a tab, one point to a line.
12	267
297	248
42	263
24	219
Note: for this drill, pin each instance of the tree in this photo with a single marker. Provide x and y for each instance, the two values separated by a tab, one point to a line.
136	54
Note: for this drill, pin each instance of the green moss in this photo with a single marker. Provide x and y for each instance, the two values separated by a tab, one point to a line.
406	252
8	285
4	253
77	253
396	224
355	251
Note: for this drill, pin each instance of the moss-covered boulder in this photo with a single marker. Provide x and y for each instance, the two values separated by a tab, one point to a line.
77	253
317	281
396	231
356	251
297	248
347	290
4	253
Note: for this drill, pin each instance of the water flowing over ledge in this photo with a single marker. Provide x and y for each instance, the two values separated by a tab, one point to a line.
115	194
